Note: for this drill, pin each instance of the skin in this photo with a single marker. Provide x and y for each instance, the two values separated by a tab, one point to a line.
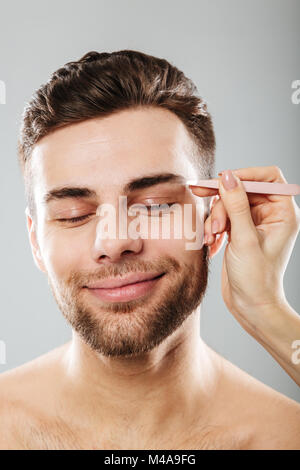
179	395
262	230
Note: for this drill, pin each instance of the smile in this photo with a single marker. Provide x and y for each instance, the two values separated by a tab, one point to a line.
124	290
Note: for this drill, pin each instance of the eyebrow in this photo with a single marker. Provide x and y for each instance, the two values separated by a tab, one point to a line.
151	180
77	192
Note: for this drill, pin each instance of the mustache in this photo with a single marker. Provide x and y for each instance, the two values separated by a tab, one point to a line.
163	264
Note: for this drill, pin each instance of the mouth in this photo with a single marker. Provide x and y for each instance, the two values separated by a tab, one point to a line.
125	289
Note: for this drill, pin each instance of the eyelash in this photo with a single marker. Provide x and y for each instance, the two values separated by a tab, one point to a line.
73	220
157	206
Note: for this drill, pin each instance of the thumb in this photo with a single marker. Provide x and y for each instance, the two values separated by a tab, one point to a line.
235	200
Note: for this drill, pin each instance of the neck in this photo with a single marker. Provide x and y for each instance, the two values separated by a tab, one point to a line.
178	377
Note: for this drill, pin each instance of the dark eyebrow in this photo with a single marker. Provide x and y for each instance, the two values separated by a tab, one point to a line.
151	180
68	192
133	185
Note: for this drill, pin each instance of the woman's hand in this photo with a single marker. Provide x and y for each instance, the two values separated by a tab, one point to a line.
261	230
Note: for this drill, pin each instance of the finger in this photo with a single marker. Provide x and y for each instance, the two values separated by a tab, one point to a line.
214	201
218	212
259	173
260	214
243	231
204	192
254	198
218	217
264	214
272	174
257	199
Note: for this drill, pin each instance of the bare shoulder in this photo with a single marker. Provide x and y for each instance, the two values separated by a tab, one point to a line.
22	393
272	418
23	378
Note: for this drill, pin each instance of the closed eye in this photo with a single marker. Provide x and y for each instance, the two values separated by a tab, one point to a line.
75	219
163	207
150	208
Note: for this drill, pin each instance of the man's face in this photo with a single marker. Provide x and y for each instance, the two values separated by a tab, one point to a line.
104	155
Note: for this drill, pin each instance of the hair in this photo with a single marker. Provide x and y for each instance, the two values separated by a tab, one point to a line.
100	84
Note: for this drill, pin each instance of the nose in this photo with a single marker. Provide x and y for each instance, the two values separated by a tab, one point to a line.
107	250
113	245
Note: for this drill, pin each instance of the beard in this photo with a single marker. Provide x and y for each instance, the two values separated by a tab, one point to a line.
133	327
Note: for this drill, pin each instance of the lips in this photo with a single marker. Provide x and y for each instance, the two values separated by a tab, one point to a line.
124	281
125	289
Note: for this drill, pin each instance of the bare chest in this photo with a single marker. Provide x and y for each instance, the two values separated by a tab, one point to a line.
63	437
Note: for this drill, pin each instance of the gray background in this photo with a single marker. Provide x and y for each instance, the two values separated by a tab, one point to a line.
243	57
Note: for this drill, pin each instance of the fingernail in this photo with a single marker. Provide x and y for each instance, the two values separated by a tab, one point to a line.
215	226
228	180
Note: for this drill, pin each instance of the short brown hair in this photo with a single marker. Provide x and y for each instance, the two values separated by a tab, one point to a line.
100	84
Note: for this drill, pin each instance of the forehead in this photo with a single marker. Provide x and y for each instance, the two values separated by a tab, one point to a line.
108	151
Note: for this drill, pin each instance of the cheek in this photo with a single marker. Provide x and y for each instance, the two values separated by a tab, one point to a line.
171	248
184	230
63	251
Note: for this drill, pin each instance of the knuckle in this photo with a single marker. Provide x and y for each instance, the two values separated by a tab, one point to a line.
278	173
294	218
297	211
239	207
295	222
276	169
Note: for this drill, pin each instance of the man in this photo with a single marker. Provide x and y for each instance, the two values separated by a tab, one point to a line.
136	374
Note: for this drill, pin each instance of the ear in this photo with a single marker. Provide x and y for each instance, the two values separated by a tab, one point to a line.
217	245
219	239
33	242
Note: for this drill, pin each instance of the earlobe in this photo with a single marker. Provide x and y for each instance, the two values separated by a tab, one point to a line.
217	245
